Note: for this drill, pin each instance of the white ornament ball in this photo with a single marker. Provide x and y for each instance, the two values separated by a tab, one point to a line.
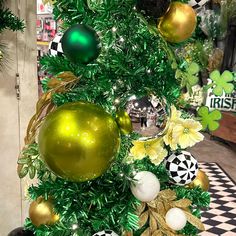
176	219
146	186
55	47
182	167
106	233
197	3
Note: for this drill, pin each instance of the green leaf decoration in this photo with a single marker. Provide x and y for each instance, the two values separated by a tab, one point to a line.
23	172
189	76
222	82
193	68
193	80
191	71
24	160
209	119
32	172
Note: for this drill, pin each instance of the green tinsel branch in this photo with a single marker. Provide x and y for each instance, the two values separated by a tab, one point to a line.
9	21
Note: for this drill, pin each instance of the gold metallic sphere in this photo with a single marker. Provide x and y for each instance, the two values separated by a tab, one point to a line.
178	23
41	212
78	141
124	122
201	180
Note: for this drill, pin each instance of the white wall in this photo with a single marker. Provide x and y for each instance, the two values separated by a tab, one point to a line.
15	114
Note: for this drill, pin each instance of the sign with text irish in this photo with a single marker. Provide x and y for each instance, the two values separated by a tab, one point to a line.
226	102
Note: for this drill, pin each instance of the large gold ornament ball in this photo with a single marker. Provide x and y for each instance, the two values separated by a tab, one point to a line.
41	212
178	23
124	122
201	180
79	141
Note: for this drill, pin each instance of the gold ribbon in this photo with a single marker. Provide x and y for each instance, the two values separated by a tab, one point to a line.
58	84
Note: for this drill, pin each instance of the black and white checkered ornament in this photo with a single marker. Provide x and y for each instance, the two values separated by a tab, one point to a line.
55	48
106	233
197	3
182	167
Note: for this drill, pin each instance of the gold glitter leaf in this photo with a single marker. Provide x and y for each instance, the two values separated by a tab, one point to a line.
183	203
168	194
146	232
152	204
157	233
141	208
161	208
194	221
153	223
143	219
161	221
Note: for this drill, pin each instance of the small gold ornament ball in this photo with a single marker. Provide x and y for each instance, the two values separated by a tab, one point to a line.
124	122
79	141
41	212
201	180
178	23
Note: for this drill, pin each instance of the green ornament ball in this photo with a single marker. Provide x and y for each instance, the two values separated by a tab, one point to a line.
78	141
80	44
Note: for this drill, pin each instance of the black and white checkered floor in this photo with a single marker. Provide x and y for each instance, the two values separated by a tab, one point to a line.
220	219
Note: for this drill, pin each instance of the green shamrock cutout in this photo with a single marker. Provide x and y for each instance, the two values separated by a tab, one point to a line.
221	82
192	71
209	119
189	76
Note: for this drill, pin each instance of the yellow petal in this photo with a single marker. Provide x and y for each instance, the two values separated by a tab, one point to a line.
178	131
175	114
192	124
138	150
173	146
196	136
184	141
152	153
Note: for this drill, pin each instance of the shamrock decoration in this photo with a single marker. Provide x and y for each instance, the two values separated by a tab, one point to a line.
209	119
189	76
221	82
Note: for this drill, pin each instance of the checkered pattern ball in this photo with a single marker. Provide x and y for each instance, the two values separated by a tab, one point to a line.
55	48
182	168
106	233
197	3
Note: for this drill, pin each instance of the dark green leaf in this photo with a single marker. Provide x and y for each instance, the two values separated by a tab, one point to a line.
23	172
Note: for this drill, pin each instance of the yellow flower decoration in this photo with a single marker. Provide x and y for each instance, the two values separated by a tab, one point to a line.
168	138
174	114
174	117
186	133
154	149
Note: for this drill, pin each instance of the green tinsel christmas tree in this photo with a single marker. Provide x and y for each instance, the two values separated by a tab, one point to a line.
94	172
